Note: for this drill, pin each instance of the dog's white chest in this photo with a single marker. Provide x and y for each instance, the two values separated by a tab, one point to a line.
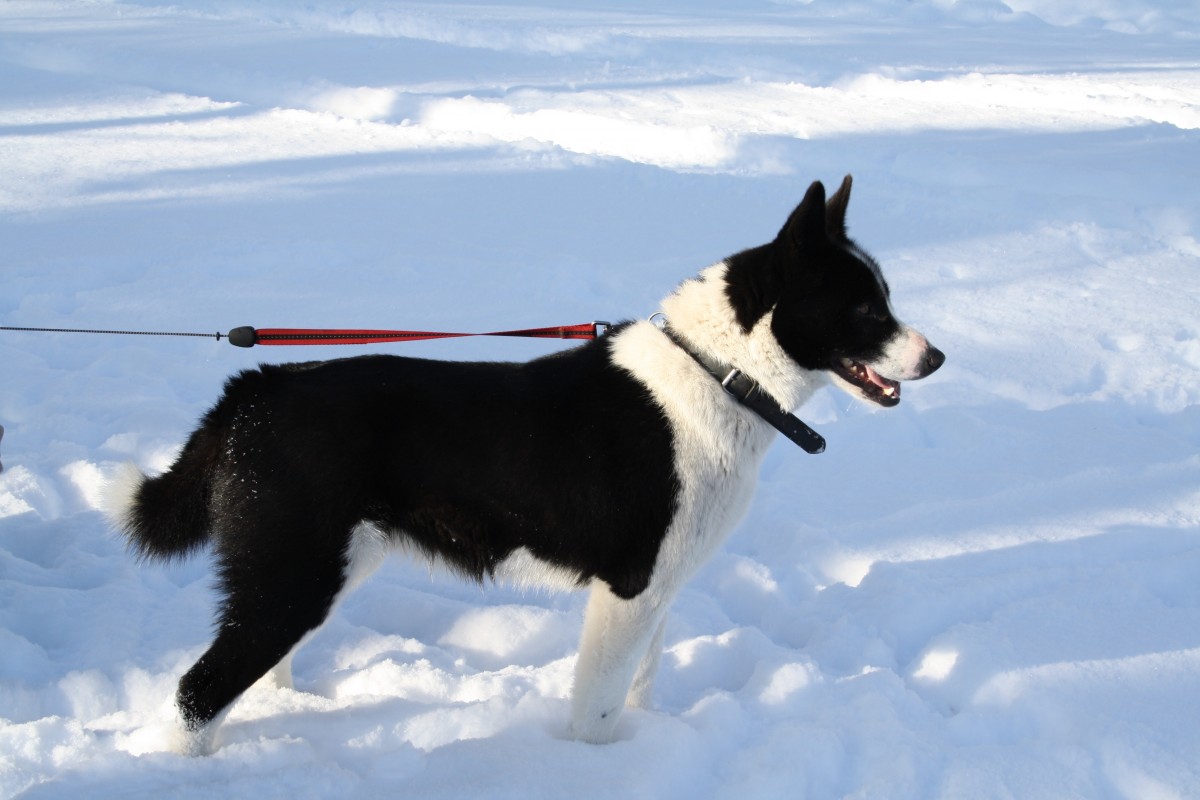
719	446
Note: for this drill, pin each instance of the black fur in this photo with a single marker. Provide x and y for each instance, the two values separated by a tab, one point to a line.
567	456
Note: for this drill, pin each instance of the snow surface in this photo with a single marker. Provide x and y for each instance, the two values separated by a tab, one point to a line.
992	590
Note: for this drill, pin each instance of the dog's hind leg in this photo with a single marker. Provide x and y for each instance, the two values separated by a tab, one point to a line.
271	602
367	549
617	634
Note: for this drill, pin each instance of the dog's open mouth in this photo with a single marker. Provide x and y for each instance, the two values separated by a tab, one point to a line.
874	387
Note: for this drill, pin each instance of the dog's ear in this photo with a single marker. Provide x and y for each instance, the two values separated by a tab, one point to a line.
835	210
755	278
806	225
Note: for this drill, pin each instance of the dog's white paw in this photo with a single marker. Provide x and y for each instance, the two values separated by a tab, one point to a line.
202	742
598	727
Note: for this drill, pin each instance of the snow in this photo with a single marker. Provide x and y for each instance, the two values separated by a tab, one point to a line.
989	591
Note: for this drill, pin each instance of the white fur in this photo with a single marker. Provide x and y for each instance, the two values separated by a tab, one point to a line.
523	570
902	356
641	692
367	549
719	448
120	489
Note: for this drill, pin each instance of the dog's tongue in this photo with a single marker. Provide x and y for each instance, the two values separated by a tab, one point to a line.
890	388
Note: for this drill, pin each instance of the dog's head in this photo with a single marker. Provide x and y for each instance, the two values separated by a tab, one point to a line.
829	303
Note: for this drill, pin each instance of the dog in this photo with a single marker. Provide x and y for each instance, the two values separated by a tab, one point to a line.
618	466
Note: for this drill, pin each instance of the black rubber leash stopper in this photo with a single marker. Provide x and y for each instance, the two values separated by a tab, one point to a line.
244	336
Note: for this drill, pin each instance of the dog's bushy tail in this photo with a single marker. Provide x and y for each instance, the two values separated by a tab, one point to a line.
168	516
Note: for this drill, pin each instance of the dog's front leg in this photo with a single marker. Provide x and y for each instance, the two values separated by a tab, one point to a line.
641	693
616	636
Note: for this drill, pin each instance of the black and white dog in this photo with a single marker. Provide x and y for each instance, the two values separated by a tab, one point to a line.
617	466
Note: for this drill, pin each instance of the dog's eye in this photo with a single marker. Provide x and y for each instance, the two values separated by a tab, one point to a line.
869	311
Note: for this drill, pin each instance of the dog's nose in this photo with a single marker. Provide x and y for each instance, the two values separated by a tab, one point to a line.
933	359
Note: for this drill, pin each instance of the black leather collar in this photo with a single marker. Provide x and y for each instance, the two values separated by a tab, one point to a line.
747	392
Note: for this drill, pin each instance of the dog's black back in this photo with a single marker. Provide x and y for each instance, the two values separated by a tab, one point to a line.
467	462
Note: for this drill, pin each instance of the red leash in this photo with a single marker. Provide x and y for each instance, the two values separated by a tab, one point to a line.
247	336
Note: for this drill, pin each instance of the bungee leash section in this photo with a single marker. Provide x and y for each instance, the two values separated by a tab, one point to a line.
248	336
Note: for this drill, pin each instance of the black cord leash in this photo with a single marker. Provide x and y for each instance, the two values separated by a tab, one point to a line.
218	336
